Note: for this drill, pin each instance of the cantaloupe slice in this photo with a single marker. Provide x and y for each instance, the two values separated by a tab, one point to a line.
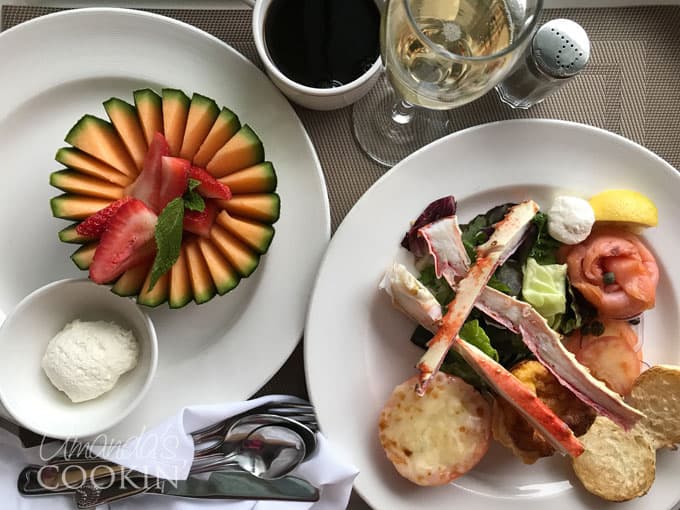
99	139
263	207
83	256
150	112
175	113
75	182
257	236
226	125
131	281
260	178
78	160
69	235
244	149
224	276
201	281
202	115
77	207
157	295
180	286
124	118
242	258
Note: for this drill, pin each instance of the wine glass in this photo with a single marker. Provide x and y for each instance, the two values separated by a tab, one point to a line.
438	55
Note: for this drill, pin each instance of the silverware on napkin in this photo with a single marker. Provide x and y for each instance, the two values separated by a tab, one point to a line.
221	485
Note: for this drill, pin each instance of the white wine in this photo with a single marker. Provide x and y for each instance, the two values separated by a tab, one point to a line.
423	73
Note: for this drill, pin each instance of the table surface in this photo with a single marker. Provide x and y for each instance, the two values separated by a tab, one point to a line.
290	378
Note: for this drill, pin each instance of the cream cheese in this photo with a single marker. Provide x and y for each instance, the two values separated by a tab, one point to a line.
570	219
86	359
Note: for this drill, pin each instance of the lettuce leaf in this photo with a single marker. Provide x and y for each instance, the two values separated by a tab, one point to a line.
440	208
544	288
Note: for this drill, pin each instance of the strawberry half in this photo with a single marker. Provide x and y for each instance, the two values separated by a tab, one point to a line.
95	225
147	186
209	187
127	241
174	175
200	222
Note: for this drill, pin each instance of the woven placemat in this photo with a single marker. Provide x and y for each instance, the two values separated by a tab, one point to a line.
629	87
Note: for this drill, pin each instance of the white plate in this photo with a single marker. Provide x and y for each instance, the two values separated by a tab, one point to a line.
357	346
59	67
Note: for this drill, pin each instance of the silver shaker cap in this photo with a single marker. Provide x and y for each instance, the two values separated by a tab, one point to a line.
561	48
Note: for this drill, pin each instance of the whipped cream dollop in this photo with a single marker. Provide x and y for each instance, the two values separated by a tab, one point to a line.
86	358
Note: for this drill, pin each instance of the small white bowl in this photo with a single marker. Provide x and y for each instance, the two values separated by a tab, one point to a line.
310	97
27	393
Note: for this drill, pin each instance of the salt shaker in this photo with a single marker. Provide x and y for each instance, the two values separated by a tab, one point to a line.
559	50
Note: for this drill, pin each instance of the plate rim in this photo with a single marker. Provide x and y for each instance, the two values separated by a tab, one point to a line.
322	187
313	394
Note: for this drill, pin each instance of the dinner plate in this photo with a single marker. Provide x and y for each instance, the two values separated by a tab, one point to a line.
357	346
59	67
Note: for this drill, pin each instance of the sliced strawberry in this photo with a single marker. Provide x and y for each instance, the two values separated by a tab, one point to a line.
95	225
127	241
209	187
148	183
201	222
174	175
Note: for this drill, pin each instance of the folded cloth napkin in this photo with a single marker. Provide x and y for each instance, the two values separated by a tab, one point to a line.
167	450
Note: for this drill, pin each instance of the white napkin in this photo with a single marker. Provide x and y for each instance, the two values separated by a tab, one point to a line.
166	451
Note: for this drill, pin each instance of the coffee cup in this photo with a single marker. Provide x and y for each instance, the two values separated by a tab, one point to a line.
314	97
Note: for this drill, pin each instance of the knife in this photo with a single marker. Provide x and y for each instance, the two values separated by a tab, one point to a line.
220	485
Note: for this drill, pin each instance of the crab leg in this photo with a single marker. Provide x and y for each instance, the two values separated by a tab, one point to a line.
533	409
543	342
444	243
508	234
546	345
410	296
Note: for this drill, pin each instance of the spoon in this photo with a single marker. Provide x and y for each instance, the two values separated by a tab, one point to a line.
267	451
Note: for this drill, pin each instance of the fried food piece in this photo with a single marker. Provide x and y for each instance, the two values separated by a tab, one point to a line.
513	431
438	437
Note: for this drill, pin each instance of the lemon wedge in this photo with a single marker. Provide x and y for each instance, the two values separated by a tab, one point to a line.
626	208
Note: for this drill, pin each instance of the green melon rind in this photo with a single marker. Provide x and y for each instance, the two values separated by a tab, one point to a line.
69	235
82	257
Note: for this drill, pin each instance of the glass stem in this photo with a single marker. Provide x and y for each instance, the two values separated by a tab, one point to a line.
402	112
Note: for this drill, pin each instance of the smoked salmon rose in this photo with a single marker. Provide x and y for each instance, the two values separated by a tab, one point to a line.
615	272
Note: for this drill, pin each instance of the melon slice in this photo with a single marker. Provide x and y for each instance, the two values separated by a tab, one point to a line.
226	125
78	160
260	178
124	118
69	235
201	282
175	113
180	286
242	258
224	276
257	236
75	182
99	139
149	108
244	149
77	207
131	281
102	164
83	256
157	295
263	207
202	115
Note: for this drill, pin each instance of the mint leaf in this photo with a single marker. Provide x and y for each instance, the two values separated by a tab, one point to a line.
193	184
193	201
168	239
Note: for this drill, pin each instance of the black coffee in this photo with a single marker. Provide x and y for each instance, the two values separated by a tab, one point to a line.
322	43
